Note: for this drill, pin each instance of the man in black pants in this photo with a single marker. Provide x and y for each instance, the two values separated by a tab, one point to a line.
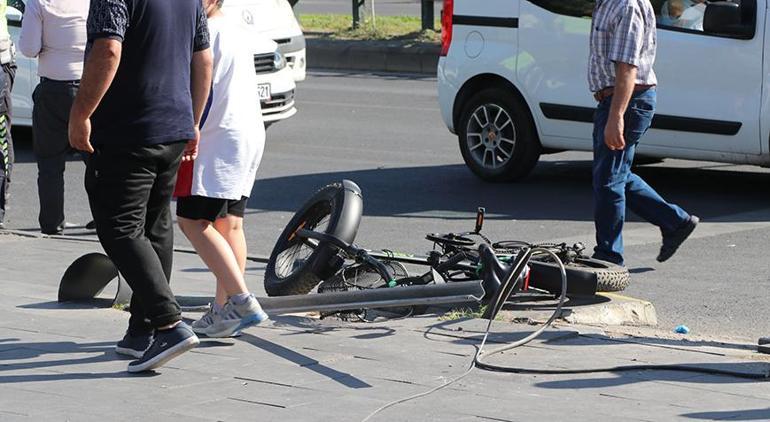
145	83
54	34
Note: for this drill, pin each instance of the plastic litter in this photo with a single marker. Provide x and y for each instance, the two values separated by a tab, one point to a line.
682	329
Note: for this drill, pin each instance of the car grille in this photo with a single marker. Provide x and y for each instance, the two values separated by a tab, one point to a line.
278	101
263	63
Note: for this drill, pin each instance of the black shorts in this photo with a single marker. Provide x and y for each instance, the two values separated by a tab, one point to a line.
205	208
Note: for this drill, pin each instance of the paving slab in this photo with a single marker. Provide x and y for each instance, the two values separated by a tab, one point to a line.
299	368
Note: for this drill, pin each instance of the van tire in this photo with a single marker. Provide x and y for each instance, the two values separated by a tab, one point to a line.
498	150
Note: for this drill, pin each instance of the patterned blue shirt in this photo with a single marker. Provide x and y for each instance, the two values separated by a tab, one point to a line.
621	31
149	101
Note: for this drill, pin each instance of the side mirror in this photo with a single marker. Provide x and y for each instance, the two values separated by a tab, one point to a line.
14	16
724	18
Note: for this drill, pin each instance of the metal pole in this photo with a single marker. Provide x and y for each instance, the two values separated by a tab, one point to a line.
434	294
428	15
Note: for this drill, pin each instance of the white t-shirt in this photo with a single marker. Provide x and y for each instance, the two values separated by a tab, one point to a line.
232	132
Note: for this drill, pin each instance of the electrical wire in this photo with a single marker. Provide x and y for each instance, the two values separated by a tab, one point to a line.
479	363
496	303
512	278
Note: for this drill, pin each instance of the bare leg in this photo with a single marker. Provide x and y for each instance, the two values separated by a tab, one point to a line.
231	228
216	253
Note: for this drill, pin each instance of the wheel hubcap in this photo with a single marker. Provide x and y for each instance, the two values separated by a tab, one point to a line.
491	136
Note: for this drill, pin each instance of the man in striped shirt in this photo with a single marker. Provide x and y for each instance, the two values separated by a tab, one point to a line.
621	77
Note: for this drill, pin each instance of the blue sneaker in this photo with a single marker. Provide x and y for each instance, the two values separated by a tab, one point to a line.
166	345
134	345
234	318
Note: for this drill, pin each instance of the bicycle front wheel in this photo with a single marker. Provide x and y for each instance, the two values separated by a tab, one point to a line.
297	264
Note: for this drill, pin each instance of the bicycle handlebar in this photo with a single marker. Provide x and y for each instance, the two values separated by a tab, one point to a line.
352	250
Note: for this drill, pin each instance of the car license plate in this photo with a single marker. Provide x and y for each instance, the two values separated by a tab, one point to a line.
264	91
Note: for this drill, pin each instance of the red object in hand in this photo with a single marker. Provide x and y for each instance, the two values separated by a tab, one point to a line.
184	180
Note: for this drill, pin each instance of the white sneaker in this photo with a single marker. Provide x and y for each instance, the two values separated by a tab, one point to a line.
234	318
200	326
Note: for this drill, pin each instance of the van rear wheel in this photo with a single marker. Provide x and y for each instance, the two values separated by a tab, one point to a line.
497	138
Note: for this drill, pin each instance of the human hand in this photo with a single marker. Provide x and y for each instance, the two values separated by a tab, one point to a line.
191	149
80	134
613	134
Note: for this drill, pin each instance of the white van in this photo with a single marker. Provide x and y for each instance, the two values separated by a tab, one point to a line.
279	59
274	19
512	82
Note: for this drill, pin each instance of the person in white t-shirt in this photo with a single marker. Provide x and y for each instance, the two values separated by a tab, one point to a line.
212	191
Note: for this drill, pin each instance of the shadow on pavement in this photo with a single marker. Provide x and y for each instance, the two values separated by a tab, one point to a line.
616	379
314	326
95	303
732	415
11	350
348	380
557	190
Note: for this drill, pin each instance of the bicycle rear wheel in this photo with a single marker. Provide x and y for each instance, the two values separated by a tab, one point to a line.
609	277
297	264
585	276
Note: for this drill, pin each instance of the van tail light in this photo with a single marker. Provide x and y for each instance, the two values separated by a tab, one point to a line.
446	26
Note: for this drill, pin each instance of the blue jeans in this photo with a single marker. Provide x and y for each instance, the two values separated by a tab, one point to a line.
616	187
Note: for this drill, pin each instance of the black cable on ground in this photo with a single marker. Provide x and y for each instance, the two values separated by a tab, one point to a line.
628	368
496	304
478	363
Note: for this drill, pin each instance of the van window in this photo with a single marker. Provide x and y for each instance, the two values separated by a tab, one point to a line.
577	8
675	15
682	14
687	16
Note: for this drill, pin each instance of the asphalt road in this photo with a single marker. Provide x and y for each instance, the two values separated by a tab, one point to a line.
385	133
381	7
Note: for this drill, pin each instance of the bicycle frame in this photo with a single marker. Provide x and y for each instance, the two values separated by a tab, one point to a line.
546	275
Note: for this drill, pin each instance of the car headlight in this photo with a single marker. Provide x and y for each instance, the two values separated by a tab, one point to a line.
279	62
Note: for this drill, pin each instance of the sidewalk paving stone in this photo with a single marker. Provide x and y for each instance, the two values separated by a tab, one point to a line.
58	363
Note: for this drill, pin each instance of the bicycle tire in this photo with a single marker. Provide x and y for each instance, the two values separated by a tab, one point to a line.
609	277
585	277
340	206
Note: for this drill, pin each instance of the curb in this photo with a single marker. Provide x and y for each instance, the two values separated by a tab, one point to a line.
373	56
609	310
620	310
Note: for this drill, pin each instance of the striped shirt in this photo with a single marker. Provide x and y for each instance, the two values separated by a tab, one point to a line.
621	31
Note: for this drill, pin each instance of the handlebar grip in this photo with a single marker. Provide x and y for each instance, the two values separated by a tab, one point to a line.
451	262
